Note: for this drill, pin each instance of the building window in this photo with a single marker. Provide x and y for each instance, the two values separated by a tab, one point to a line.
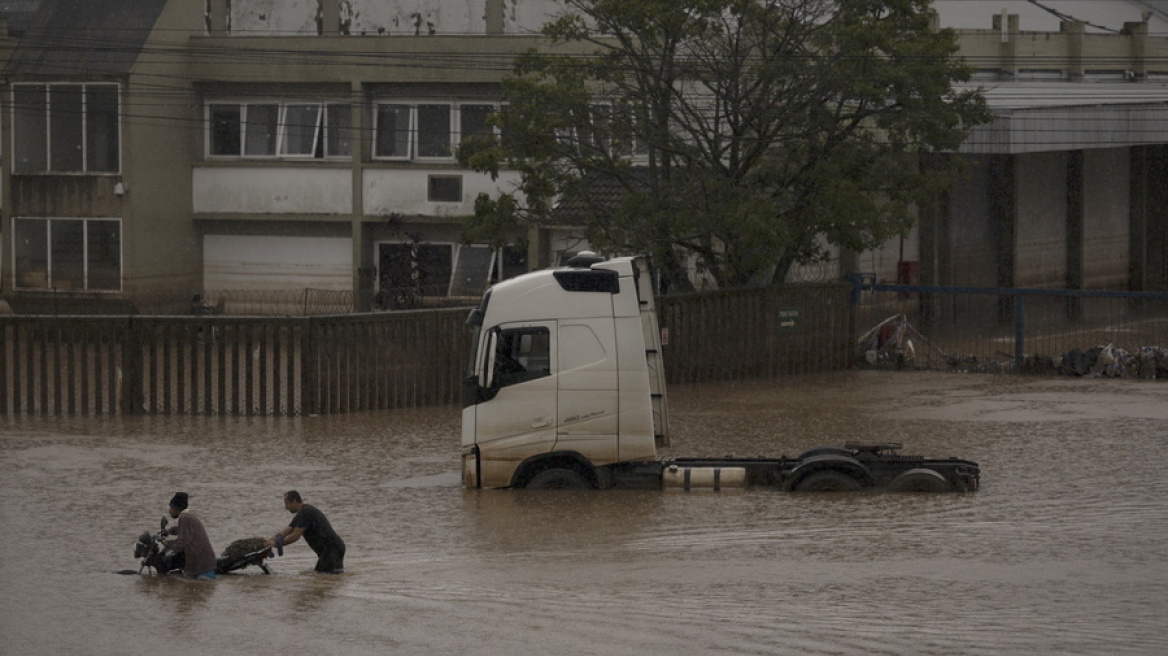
393	132
444	189
66	128
605	130
68	254
434	131
270	130
473	120
478	266
407	271
426	130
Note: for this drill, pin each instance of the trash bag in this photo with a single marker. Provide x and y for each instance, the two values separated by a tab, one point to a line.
1074	363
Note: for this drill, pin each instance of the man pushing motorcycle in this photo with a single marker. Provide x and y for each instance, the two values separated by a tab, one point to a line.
311	523
192	540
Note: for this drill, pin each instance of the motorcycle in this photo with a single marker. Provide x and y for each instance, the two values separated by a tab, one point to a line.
154	554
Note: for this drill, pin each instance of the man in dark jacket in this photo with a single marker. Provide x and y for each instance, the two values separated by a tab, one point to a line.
311	523
192	540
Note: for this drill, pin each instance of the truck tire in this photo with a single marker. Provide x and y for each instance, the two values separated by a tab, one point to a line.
558	479
920	480
828	480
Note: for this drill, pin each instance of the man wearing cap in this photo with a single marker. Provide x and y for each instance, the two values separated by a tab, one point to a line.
192	540
318	533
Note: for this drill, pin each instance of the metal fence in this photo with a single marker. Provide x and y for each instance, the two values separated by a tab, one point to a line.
1012	330
217	365
757	332
214	364
228	365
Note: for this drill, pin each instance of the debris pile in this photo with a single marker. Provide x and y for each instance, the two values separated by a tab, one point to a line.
894	343
1109	361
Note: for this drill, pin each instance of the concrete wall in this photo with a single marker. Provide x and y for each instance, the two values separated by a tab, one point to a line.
272	190
1038	222
966	237
275	17
382	17
302	190
1107	223
1040	228
405	191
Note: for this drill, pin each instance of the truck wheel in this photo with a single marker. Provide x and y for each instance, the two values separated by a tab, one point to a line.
828	480
920	480
557	479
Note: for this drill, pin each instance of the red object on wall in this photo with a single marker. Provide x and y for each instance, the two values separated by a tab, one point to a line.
908	273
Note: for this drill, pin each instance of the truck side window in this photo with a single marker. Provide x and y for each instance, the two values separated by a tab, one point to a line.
522	354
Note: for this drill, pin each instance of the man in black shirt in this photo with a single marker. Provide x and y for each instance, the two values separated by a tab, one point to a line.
311	523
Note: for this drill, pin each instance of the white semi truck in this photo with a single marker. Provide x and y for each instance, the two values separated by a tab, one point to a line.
565	388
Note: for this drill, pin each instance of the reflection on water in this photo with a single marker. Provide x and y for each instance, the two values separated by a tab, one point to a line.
1064	550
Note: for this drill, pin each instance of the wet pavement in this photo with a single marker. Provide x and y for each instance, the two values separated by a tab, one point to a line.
1064	550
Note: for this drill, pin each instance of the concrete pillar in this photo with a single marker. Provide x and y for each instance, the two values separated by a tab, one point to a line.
328	17
538	249
1138	204
1007	25
1076	216
933	243
1138	34
1075	30
1076	219
218	18
494	16
364	270
1149	219
1004	214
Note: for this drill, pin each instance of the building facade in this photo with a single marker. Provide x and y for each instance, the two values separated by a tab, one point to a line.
153	150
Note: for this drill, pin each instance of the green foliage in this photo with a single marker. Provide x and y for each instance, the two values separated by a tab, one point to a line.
733	131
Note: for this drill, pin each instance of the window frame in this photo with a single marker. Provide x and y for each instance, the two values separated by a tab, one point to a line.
88	126
377	132
90	268
434	185
522	354
596	132
415	143
333	119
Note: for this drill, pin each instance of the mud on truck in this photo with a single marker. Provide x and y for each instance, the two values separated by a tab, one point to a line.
565	388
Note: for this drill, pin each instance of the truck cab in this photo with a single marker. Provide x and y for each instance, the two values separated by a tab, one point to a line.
564	375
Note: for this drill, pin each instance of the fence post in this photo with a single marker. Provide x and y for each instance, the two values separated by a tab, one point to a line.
5	365
132	383
1019	325
309	371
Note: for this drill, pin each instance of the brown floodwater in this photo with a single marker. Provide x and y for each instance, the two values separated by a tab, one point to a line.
1064	550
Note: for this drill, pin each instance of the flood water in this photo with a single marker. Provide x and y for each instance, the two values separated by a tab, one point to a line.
1063	551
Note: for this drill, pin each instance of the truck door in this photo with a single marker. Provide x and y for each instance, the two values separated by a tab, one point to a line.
518	418
588	387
